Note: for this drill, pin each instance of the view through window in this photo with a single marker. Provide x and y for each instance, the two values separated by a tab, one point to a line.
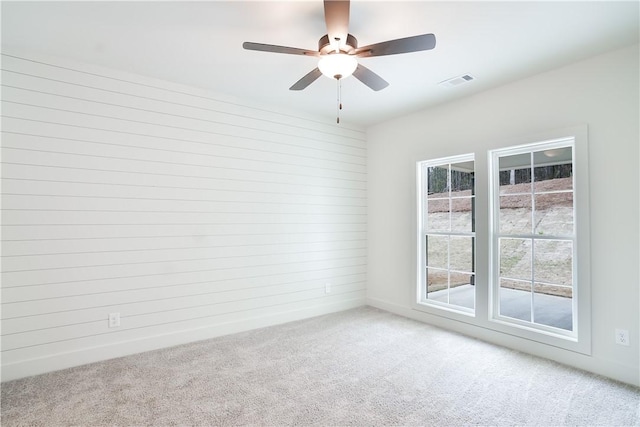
534	236
447	225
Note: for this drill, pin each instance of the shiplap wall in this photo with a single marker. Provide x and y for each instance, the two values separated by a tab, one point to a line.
188	214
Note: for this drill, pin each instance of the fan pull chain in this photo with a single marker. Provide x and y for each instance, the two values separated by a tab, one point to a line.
339	99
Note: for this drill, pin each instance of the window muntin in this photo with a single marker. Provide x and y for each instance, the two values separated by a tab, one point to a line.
534	237
447	230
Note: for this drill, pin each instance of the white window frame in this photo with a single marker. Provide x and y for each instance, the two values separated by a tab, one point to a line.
497	236
579	339
483	324
422	299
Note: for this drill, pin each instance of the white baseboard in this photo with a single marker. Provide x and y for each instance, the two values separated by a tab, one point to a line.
607	368
55	362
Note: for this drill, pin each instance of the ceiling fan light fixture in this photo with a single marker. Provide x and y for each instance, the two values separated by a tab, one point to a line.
337	65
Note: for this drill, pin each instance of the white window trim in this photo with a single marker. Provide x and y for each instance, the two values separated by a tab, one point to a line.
580	339
482	319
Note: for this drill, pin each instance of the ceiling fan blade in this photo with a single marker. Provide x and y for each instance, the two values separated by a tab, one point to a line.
278	49
336	16
370	78
393	47
311	77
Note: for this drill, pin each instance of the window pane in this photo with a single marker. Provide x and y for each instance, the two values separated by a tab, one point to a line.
462	215
515	299
437	251
552	307
437	284
516	181
462	179
438	181
515	161
556	290
553	169
554	214
515	174
515	214
461	291
461	253
438	215
553	261
559	184
515	258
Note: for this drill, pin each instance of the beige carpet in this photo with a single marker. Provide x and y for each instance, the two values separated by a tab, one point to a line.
359	367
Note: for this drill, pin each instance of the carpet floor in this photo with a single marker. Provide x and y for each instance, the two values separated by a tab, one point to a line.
357	367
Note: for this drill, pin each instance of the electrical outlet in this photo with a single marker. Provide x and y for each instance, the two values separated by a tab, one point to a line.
622	336
327	288
114	320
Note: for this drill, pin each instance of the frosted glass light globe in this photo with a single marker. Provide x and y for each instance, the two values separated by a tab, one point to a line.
337	65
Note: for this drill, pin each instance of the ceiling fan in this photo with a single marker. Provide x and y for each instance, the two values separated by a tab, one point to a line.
338	50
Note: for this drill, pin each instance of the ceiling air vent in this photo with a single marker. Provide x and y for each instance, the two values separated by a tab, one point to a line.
457	81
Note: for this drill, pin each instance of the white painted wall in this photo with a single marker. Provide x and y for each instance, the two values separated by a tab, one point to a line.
190	214
194	215
603	94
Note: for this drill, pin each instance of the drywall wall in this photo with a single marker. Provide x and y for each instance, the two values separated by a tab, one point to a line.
188	213
601	93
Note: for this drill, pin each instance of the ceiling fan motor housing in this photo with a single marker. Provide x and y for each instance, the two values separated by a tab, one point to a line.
324	45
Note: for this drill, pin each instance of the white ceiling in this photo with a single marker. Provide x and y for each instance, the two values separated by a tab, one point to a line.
200	44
